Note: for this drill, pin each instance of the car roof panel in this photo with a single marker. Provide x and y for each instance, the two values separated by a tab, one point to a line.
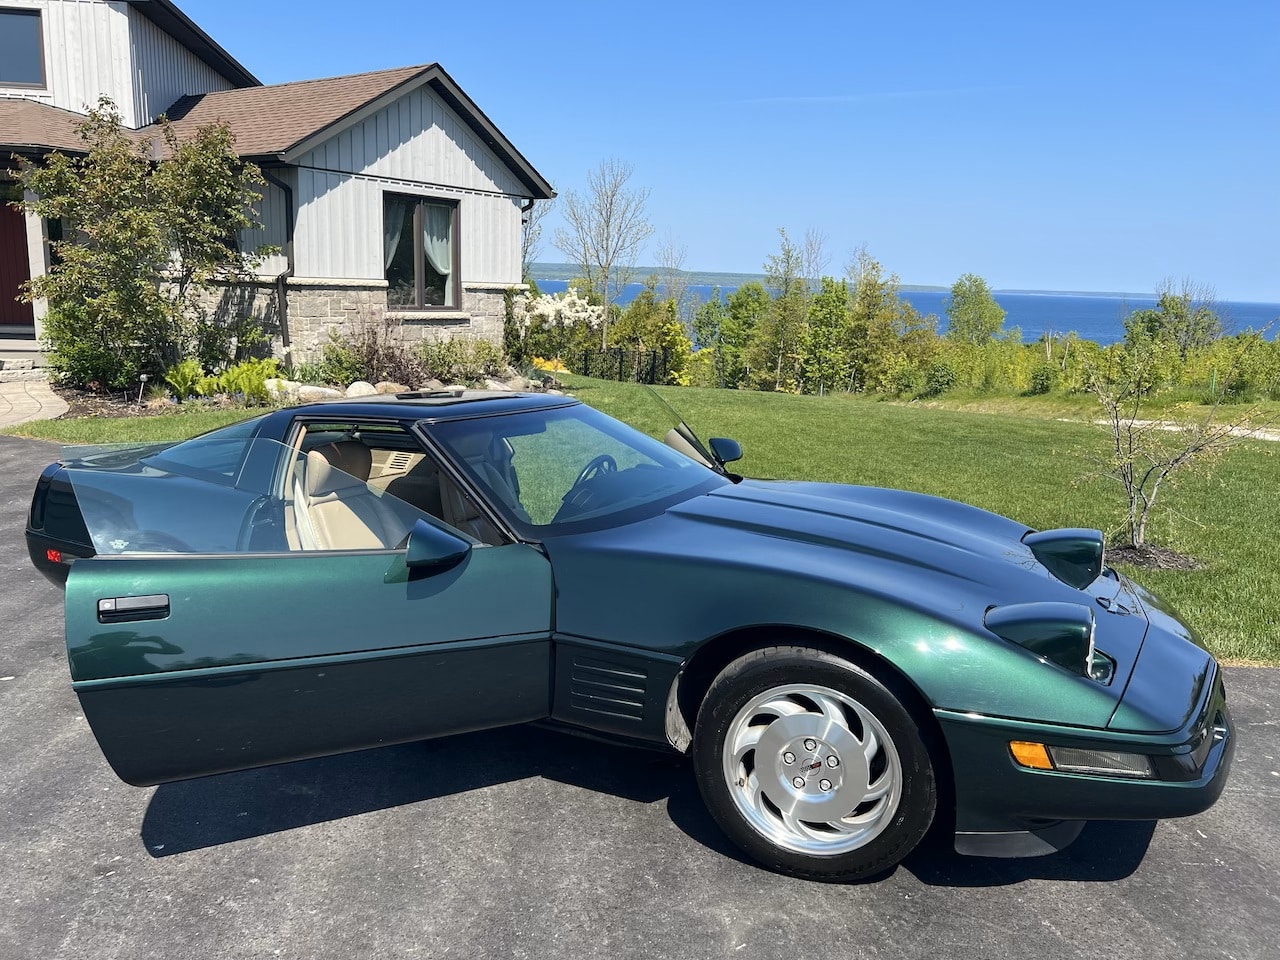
435	405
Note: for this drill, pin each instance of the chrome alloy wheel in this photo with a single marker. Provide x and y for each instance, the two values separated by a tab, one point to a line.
812	770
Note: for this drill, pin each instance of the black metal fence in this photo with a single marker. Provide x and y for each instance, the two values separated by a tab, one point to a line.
624	364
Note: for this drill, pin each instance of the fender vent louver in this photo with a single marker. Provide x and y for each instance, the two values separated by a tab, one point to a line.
597	685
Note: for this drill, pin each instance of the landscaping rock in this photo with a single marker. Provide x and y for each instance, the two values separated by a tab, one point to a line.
309	393
457	388
554	392
361	388
518	383
279	388
495	385
387	386
433	384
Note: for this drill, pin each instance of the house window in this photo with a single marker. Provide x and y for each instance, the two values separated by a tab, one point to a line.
420	252
21	48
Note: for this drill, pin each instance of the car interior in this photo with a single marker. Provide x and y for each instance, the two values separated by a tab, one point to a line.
359	486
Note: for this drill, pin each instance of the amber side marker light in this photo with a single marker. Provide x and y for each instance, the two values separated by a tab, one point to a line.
1029	754
1097	763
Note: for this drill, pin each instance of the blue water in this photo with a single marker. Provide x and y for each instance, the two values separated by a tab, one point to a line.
1098	318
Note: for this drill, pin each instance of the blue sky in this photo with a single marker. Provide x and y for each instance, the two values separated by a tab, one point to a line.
1082	146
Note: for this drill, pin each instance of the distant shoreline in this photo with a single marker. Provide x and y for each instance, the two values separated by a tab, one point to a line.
702	278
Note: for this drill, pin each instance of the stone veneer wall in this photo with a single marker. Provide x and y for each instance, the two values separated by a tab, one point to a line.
256	300
317	307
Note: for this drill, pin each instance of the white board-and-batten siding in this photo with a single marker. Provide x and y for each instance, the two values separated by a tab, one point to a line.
96	48
415	146
164	70
273	215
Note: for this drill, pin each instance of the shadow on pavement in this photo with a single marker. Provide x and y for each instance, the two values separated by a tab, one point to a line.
196	814
1103	851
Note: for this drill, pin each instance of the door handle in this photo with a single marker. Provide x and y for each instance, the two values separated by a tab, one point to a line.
154	606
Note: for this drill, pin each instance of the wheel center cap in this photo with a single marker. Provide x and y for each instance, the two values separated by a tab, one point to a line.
810	766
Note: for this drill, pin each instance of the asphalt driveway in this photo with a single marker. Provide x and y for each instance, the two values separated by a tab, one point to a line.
526	843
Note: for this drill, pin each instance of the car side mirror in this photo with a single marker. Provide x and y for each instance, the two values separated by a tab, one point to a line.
725	450
431	548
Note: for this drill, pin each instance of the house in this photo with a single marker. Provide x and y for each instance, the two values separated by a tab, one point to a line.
388	192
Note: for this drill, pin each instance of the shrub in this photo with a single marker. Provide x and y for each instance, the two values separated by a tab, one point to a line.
247	379
185	378
462	359
1043	378
374	350
938	379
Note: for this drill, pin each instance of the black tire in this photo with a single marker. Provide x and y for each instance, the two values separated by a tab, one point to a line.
758	673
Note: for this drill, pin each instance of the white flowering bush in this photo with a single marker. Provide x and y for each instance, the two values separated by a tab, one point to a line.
551	323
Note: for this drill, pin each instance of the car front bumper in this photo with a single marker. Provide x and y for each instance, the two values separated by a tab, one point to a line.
1004	809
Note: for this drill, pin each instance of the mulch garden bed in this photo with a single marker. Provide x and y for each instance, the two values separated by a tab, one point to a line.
118	403
1151	557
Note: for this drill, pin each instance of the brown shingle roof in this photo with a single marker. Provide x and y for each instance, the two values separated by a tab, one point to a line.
270	120
29	126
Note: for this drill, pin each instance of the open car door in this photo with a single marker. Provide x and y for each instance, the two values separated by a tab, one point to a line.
285	610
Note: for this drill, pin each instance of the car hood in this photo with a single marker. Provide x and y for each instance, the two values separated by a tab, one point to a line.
943	558
951	545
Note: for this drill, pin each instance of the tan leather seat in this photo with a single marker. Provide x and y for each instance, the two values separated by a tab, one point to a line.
484	455
421	488
338	510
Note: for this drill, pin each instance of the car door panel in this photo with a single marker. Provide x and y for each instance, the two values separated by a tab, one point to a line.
262	659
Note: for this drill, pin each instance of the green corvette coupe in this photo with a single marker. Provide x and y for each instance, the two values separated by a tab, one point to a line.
844	665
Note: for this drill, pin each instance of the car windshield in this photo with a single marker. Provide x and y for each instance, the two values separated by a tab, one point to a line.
571	469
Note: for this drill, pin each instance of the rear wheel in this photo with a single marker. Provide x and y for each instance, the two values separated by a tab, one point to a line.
811	765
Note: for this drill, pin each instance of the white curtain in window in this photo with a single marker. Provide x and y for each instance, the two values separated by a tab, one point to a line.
438	244
392	227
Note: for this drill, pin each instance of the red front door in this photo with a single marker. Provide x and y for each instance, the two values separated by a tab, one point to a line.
14	266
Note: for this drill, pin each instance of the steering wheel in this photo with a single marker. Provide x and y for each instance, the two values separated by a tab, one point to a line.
599	465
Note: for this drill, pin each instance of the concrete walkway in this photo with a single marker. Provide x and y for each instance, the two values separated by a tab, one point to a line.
24	400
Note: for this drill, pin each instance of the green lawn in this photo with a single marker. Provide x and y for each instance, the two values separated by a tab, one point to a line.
1016	462
169	426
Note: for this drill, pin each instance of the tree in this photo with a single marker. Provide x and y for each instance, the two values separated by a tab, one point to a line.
531	236
1186	315
973	316
1145	455
605	228
145	238
776	344
651	323
826	356
709	322
747	309
671	256
879	320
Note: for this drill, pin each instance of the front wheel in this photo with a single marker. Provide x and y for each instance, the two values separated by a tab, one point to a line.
811	765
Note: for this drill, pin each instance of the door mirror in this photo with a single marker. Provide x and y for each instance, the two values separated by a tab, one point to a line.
725	450
430	547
